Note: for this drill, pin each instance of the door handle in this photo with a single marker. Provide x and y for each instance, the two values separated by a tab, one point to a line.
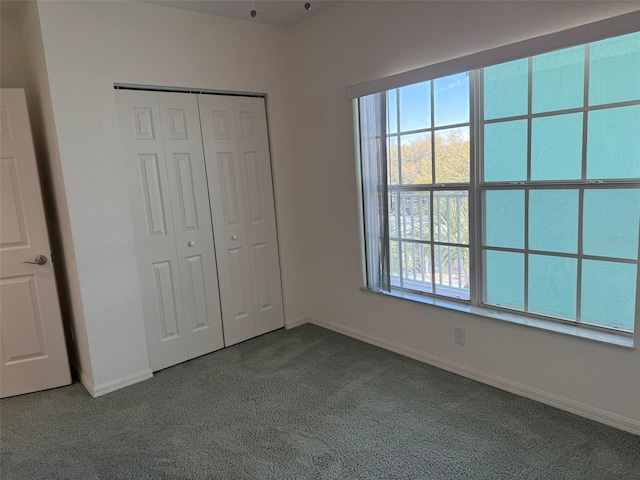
40	260
192	243
234	237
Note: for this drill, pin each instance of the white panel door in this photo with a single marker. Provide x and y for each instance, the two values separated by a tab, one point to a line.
33	352
227	210
151	207
192	221
234	132
260	217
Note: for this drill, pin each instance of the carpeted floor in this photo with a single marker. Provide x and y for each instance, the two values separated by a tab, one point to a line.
305	403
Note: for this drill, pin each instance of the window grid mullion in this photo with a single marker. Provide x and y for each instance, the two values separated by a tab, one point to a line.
432	248
475	192
399	222
526	192
566	111
585	125
580	256
399	147
432	132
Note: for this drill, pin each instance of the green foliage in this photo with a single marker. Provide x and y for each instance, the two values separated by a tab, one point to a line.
452	159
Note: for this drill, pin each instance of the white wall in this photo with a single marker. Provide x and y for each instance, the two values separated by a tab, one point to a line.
36	85
89	46
356	42
11	54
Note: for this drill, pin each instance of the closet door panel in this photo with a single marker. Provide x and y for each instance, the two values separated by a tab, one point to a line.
192	221
224	178
151	207
255	166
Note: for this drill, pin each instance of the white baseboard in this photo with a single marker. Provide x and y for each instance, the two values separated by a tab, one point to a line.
577	408
86	382
118	383
296	323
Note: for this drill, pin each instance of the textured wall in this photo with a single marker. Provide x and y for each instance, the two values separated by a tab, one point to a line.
55	201
11	55
356	42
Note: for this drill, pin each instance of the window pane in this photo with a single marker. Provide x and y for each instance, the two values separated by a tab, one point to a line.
608	294
452	271
394	262
451	217
505	151
416	158
452	155
416	269
611	223
416	223
553	285
415	106
613	143
504	273
556	147
553	220
394	216
392	111
504	218
393	170
614	70
506	89
558	80
451	96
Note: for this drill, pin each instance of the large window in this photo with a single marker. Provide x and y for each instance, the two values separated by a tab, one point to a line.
517	186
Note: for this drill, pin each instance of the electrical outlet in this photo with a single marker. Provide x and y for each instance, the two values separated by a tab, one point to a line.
459	336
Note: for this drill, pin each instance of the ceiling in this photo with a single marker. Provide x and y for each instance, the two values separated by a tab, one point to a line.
283	13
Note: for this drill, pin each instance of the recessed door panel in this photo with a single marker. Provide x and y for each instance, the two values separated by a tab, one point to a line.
5	125
150	176
177	124
254	186
13	223
143	122
22	340
186	193
229	194
166	300
237	272
261	274
198	292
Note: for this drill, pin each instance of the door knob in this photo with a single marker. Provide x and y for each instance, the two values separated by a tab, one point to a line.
40	260
234	237
191	243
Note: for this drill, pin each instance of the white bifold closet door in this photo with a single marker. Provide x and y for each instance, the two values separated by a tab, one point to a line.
236	145
165	167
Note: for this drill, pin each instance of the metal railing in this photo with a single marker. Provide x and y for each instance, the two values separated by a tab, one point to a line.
428	243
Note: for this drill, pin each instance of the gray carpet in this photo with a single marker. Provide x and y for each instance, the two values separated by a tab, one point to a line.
305	403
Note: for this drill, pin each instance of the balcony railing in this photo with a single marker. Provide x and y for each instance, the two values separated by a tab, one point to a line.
428	243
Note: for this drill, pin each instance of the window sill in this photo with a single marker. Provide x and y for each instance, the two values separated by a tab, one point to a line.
611	338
